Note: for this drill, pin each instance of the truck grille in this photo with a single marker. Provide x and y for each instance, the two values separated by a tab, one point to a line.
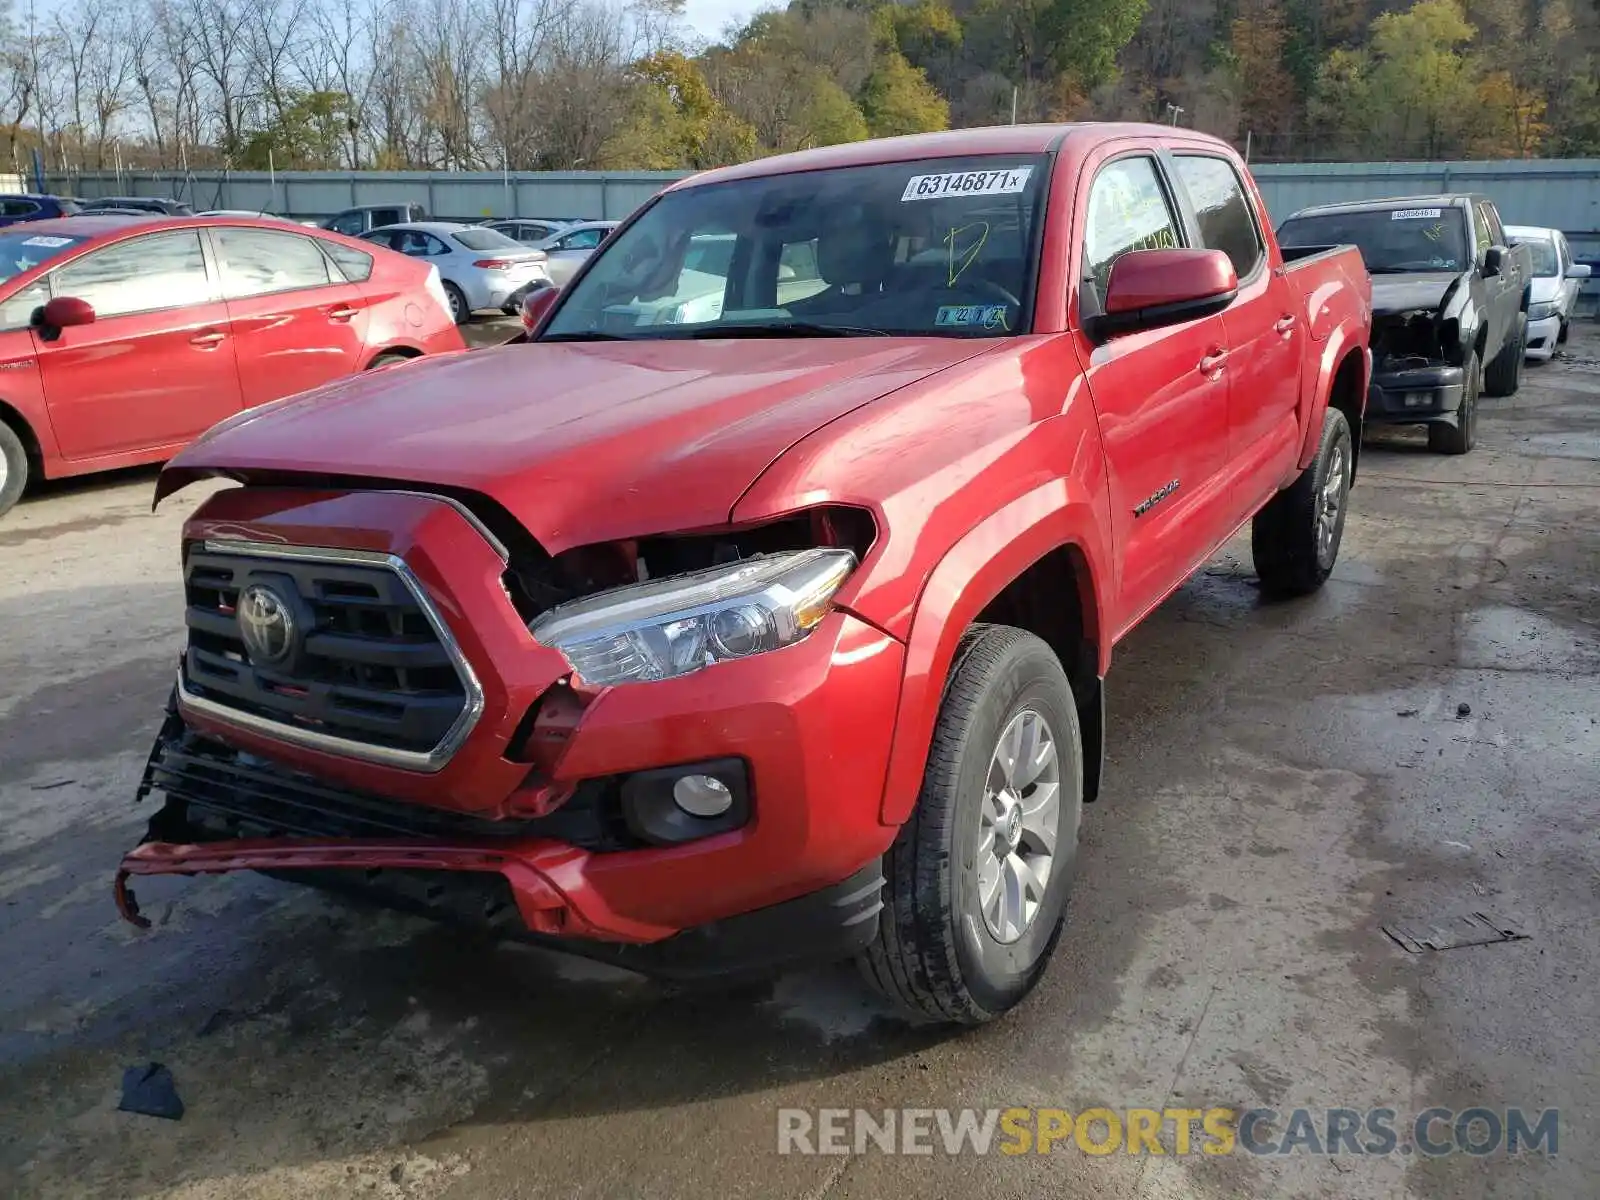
366	668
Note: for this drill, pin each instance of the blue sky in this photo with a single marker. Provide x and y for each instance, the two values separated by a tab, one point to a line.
708	17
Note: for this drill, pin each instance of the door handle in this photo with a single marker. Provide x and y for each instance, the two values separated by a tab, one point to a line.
209	338
342	313
1212	363
1284	324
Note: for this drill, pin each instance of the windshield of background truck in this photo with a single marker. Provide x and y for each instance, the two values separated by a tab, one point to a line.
1545	263
1423	238
937	247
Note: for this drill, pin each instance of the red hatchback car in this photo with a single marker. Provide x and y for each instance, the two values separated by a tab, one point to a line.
124	338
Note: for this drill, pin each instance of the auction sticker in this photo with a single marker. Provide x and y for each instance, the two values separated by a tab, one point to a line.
967	183
51	242
1415	214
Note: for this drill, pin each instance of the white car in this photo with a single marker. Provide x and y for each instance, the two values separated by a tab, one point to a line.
479	268
1553	293
568	248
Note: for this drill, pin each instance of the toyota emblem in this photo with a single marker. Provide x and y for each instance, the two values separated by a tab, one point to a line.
266	625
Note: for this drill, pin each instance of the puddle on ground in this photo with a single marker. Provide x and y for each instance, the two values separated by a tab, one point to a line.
1512	639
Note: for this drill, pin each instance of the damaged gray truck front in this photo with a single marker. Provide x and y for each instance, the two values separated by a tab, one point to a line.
1449	305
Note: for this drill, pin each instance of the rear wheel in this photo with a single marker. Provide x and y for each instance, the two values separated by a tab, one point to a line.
1463	435
459	311
387	359
1295	539
1504	374
978	878
13	467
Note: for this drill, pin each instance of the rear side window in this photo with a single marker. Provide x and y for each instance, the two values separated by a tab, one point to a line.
256	262
166	270
20	208
356	265
1223	211
1128	210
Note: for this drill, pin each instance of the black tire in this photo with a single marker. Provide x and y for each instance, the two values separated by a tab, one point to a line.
1561	335
1293	551
934	952
1463	435
459	310
14	467
1504	374
387	359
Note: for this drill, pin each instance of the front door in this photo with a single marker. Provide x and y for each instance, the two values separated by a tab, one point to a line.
297	322
1161	396
156	367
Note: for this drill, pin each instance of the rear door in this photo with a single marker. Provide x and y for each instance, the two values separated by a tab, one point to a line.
1161	395
156	367
1499	302
297	322
1265	338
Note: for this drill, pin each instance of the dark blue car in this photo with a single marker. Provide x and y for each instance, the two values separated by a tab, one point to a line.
18	208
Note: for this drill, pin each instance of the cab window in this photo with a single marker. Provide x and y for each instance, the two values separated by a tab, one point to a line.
165	270
1222	210
1128	210
348	224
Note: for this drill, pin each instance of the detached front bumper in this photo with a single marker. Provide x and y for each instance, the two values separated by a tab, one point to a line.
1416	395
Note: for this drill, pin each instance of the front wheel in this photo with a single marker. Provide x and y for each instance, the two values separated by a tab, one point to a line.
978	878
1295	538
13	467
1463	435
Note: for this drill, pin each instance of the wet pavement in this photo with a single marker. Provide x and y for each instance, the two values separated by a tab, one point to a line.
1417	743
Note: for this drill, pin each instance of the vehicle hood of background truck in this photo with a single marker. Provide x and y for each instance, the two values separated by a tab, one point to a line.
1413	291
581	442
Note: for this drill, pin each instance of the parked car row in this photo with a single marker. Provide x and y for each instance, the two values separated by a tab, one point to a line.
121	339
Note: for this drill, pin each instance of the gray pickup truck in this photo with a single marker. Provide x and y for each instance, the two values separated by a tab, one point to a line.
1449	305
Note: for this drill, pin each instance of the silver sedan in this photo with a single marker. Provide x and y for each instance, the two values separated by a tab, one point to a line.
567	248
480	268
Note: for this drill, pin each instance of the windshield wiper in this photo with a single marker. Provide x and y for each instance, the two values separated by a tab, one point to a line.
586	335
786	329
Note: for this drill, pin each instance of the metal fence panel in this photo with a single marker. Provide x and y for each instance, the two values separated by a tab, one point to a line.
1564	194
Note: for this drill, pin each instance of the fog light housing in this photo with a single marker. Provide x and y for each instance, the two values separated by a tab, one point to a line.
669	805
1419	399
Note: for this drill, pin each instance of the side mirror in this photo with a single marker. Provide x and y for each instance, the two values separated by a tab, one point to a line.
1494	259
62	313
1579	271
1149	289
536	304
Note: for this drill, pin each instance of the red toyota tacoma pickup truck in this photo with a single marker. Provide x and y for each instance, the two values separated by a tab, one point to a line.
758	609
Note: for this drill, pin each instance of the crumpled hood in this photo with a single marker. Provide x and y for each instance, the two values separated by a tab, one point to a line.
1421	290
580	441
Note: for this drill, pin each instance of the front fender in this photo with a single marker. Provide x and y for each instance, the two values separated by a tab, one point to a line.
1056	514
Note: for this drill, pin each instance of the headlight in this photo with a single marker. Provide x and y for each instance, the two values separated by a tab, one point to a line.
673	626
1540	312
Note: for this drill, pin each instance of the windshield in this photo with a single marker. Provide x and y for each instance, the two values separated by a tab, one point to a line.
939	247
21	252
1390	239
1545	263
485	239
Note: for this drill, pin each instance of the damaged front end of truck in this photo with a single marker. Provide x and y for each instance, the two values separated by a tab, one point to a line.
1419	354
